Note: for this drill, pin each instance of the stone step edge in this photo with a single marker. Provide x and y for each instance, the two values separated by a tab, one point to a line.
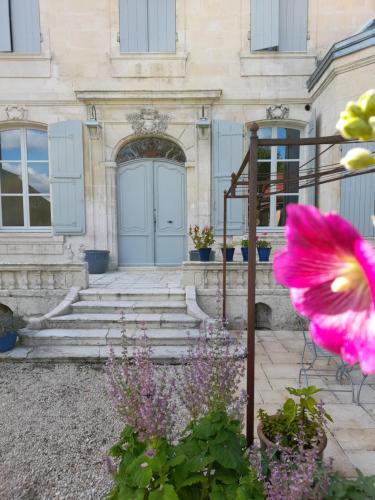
103	337
163	354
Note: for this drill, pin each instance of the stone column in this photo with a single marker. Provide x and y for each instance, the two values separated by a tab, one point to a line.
111	211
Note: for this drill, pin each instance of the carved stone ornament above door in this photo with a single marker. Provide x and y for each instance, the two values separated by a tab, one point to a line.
148	122
277	112
15	112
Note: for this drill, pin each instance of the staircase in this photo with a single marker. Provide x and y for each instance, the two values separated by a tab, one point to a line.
102	317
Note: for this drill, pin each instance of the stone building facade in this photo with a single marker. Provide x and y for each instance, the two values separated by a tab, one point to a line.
94	94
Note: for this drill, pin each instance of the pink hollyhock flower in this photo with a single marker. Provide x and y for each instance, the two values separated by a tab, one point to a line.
330	270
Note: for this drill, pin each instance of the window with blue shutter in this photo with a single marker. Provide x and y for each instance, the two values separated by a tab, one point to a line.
227	156
147	25
279	25
67	181
20	26
5	35
357	200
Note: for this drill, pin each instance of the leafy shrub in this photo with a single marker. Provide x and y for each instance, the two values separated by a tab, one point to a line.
306	414
361	488
208	463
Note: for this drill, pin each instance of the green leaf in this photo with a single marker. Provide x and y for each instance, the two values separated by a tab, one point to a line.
177	460
290	410
165	492
194	479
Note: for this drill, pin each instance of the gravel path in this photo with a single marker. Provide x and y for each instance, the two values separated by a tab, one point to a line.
56	423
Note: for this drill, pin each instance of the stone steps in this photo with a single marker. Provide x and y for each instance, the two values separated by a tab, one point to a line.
93	354
128	306
106	337
141	294
130	321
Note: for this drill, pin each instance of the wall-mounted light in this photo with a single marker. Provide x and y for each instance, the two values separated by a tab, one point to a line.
92	123
203	126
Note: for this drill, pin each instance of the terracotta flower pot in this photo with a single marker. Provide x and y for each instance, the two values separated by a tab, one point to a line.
265	443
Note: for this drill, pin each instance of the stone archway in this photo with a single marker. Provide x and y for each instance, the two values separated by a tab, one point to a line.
263	316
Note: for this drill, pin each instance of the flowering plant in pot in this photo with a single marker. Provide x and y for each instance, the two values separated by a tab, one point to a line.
9	326
302	419
203	240
264	249
245	250
229	251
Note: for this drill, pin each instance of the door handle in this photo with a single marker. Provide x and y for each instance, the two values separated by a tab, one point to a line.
170	221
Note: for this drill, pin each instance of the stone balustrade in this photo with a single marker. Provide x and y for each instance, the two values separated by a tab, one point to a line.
42	277
35	289
209	275
273	307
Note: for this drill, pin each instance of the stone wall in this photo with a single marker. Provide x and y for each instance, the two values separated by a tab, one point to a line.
35	289
273	306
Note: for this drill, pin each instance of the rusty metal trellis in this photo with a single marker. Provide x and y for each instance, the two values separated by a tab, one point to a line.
251	183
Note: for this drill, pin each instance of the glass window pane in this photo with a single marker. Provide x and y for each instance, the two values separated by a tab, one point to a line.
288	152
288	172
263	202
38	177
264	152
10	178
264	175
12	210
151	147
281	203
40	211
37	144
10	145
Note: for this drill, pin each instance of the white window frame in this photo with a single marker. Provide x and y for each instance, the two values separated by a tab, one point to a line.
25	186
273	227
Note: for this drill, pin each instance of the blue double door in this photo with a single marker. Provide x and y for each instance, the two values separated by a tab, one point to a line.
151	213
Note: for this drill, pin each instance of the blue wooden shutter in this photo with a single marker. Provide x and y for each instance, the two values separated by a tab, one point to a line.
264	24
227	156
133	26
25	26
311	158
357	202
162	25
293	25
67	186
5	39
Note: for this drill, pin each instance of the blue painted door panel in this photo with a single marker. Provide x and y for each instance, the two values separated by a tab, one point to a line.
151	213
170	202
136	224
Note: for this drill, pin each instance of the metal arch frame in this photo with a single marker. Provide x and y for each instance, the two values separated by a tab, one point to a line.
251	183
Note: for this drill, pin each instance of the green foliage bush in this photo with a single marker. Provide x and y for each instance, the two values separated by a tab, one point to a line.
209	462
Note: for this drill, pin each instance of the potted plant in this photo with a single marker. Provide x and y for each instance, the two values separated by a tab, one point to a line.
203	239
304	419
245	250
264	249
9	326
229	251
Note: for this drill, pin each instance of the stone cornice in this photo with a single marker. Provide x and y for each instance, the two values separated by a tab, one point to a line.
338	70
147	95
350	45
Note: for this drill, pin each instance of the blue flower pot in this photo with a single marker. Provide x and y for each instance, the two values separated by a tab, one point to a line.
245	253
8	342
97	261
204	254
229	254
264	254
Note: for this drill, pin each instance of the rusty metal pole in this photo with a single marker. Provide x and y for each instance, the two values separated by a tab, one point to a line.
225	257
251	270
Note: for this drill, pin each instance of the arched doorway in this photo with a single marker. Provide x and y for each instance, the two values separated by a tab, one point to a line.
151	203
